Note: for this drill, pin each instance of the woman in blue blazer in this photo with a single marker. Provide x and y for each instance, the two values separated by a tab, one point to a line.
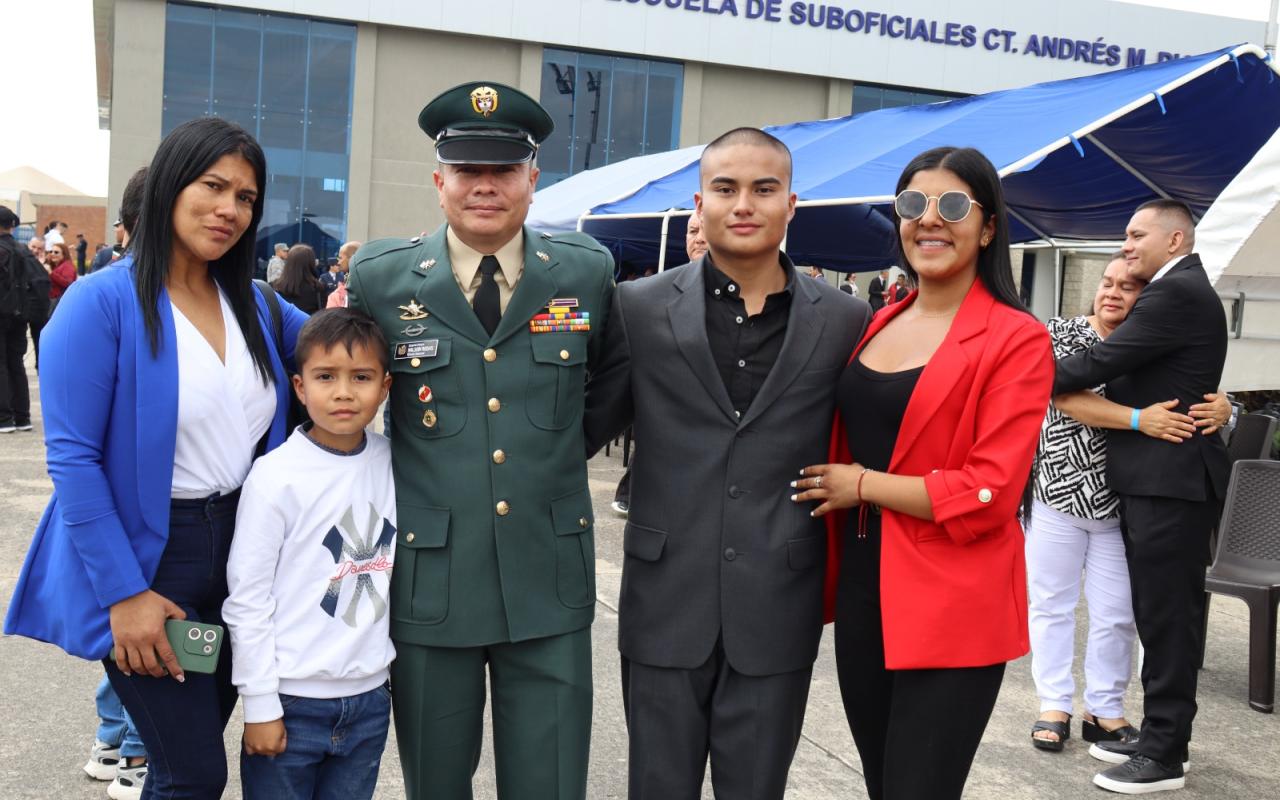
144	365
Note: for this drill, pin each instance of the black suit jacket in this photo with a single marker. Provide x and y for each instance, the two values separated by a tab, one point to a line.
714	545
875	293
1172	345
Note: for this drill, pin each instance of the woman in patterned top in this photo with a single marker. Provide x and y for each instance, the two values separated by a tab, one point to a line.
1075	527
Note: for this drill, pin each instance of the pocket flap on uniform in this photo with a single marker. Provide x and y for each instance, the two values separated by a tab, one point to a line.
422	526
572	513
561	349
428	353
643	543
807	552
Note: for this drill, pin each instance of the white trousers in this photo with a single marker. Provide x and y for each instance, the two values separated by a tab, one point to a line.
1059	547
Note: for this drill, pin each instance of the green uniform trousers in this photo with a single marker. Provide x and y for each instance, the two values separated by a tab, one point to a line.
541	717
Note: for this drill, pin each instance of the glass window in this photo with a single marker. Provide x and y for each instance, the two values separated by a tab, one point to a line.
870	97
606	108
288	81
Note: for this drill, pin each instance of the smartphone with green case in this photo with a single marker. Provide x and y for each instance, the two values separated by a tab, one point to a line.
196	644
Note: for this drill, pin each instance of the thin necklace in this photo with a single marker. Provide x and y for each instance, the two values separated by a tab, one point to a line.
935	316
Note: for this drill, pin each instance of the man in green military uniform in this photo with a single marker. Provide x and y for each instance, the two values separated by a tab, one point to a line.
493	328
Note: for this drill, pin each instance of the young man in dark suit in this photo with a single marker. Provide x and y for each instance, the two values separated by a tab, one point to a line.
727	367
1172	345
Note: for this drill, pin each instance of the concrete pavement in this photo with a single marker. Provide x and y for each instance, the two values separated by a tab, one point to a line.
47	716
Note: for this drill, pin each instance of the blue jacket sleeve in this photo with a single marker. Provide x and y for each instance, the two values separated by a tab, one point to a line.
77	386
293	319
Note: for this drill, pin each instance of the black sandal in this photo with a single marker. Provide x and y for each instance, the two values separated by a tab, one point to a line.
1091	731
1062	729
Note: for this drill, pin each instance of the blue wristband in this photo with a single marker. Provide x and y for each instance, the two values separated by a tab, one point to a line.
1133	419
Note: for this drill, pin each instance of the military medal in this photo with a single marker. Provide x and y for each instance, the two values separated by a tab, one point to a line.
560	317
428	264
429	418
543	256
413	311
424	394
484	100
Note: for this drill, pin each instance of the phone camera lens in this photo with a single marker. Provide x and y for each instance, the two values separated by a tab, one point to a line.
208	648
209	636
193	634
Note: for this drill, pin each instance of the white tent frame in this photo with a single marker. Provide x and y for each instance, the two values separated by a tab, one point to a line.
1071	139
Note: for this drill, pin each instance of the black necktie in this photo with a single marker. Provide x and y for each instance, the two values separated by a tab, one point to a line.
487	302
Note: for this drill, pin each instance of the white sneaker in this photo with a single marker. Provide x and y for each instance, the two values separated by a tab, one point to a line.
103	760
128	783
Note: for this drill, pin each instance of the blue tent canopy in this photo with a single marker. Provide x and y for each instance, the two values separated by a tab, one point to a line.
1076	156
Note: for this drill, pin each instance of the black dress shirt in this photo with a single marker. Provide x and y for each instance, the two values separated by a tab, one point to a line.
745	347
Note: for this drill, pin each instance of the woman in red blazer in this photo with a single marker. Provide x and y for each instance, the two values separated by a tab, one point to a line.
943	400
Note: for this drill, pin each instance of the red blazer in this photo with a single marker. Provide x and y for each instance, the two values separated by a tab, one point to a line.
953	592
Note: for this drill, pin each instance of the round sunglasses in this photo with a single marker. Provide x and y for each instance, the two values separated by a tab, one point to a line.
911	204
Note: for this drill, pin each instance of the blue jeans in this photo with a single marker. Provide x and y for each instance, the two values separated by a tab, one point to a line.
114	726
181	724
333	751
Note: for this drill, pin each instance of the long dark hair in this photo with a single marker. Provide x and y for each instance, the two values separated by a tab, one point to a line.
184	155
298	276
995	269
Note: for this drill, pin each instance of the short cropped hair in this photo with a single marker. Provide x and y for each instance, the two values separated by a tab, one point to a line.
1175	213
131	200
346	326
750	136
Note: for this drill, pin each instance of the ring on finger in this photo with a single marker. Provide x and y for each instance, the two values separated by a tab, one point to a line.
817	482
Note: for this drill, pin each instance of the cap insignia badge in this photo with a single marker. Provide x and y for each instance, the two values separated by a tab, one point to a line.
413	311
484	100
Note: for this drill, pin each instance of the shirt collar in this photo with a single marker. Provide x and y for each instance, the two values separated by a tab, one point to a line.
1165	269
721	286
465	259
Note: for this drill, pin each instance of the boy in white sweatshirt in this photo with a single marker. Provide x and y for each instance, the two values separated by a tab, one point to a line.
309	572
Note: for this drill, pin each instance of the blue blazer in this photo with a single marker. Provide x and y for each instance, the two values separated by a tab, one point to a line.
110	412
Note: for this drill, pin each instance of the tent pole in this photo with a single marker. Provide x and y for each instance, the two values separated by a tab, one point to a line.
662	242
1270	44
1057	281
1027	222
1111	154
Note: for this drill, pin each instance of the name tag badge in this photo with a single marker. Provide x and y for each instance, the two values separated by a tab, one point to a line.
426	348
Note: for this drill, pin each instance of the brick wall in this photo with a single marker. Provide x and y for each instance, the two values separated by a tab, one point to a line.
89	220
1080	276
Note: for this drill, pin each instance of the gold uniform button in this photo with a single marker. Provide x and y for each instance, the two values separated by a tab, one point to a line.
499	456
503	508
417	362
495	405
564	355
582	522
984	495
408	537
490	354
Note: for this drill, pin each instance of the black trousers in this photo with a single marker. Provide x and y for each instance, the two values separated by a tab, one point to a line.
917	730
1165	541
749	726
15	394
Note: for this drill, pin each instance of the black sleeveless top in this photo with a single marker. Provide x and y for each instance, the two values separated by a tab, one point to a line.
872	405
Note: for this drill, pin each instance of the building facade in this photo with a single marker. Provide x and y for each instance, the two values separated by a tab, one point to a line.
332	89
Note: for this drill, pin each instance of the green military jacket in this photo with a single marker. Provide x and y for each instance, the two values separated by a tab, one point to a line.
495	527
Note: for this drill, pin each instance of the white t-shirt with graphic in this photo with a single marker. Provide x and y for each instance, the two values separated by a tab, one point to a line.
309	574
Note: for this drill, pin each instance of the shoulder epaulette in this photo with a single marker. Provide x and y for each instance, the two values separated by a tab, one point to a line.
381	247
576	239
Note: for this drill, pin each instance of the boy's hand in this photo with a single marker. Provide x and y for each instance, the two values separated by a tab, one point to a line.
265	738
